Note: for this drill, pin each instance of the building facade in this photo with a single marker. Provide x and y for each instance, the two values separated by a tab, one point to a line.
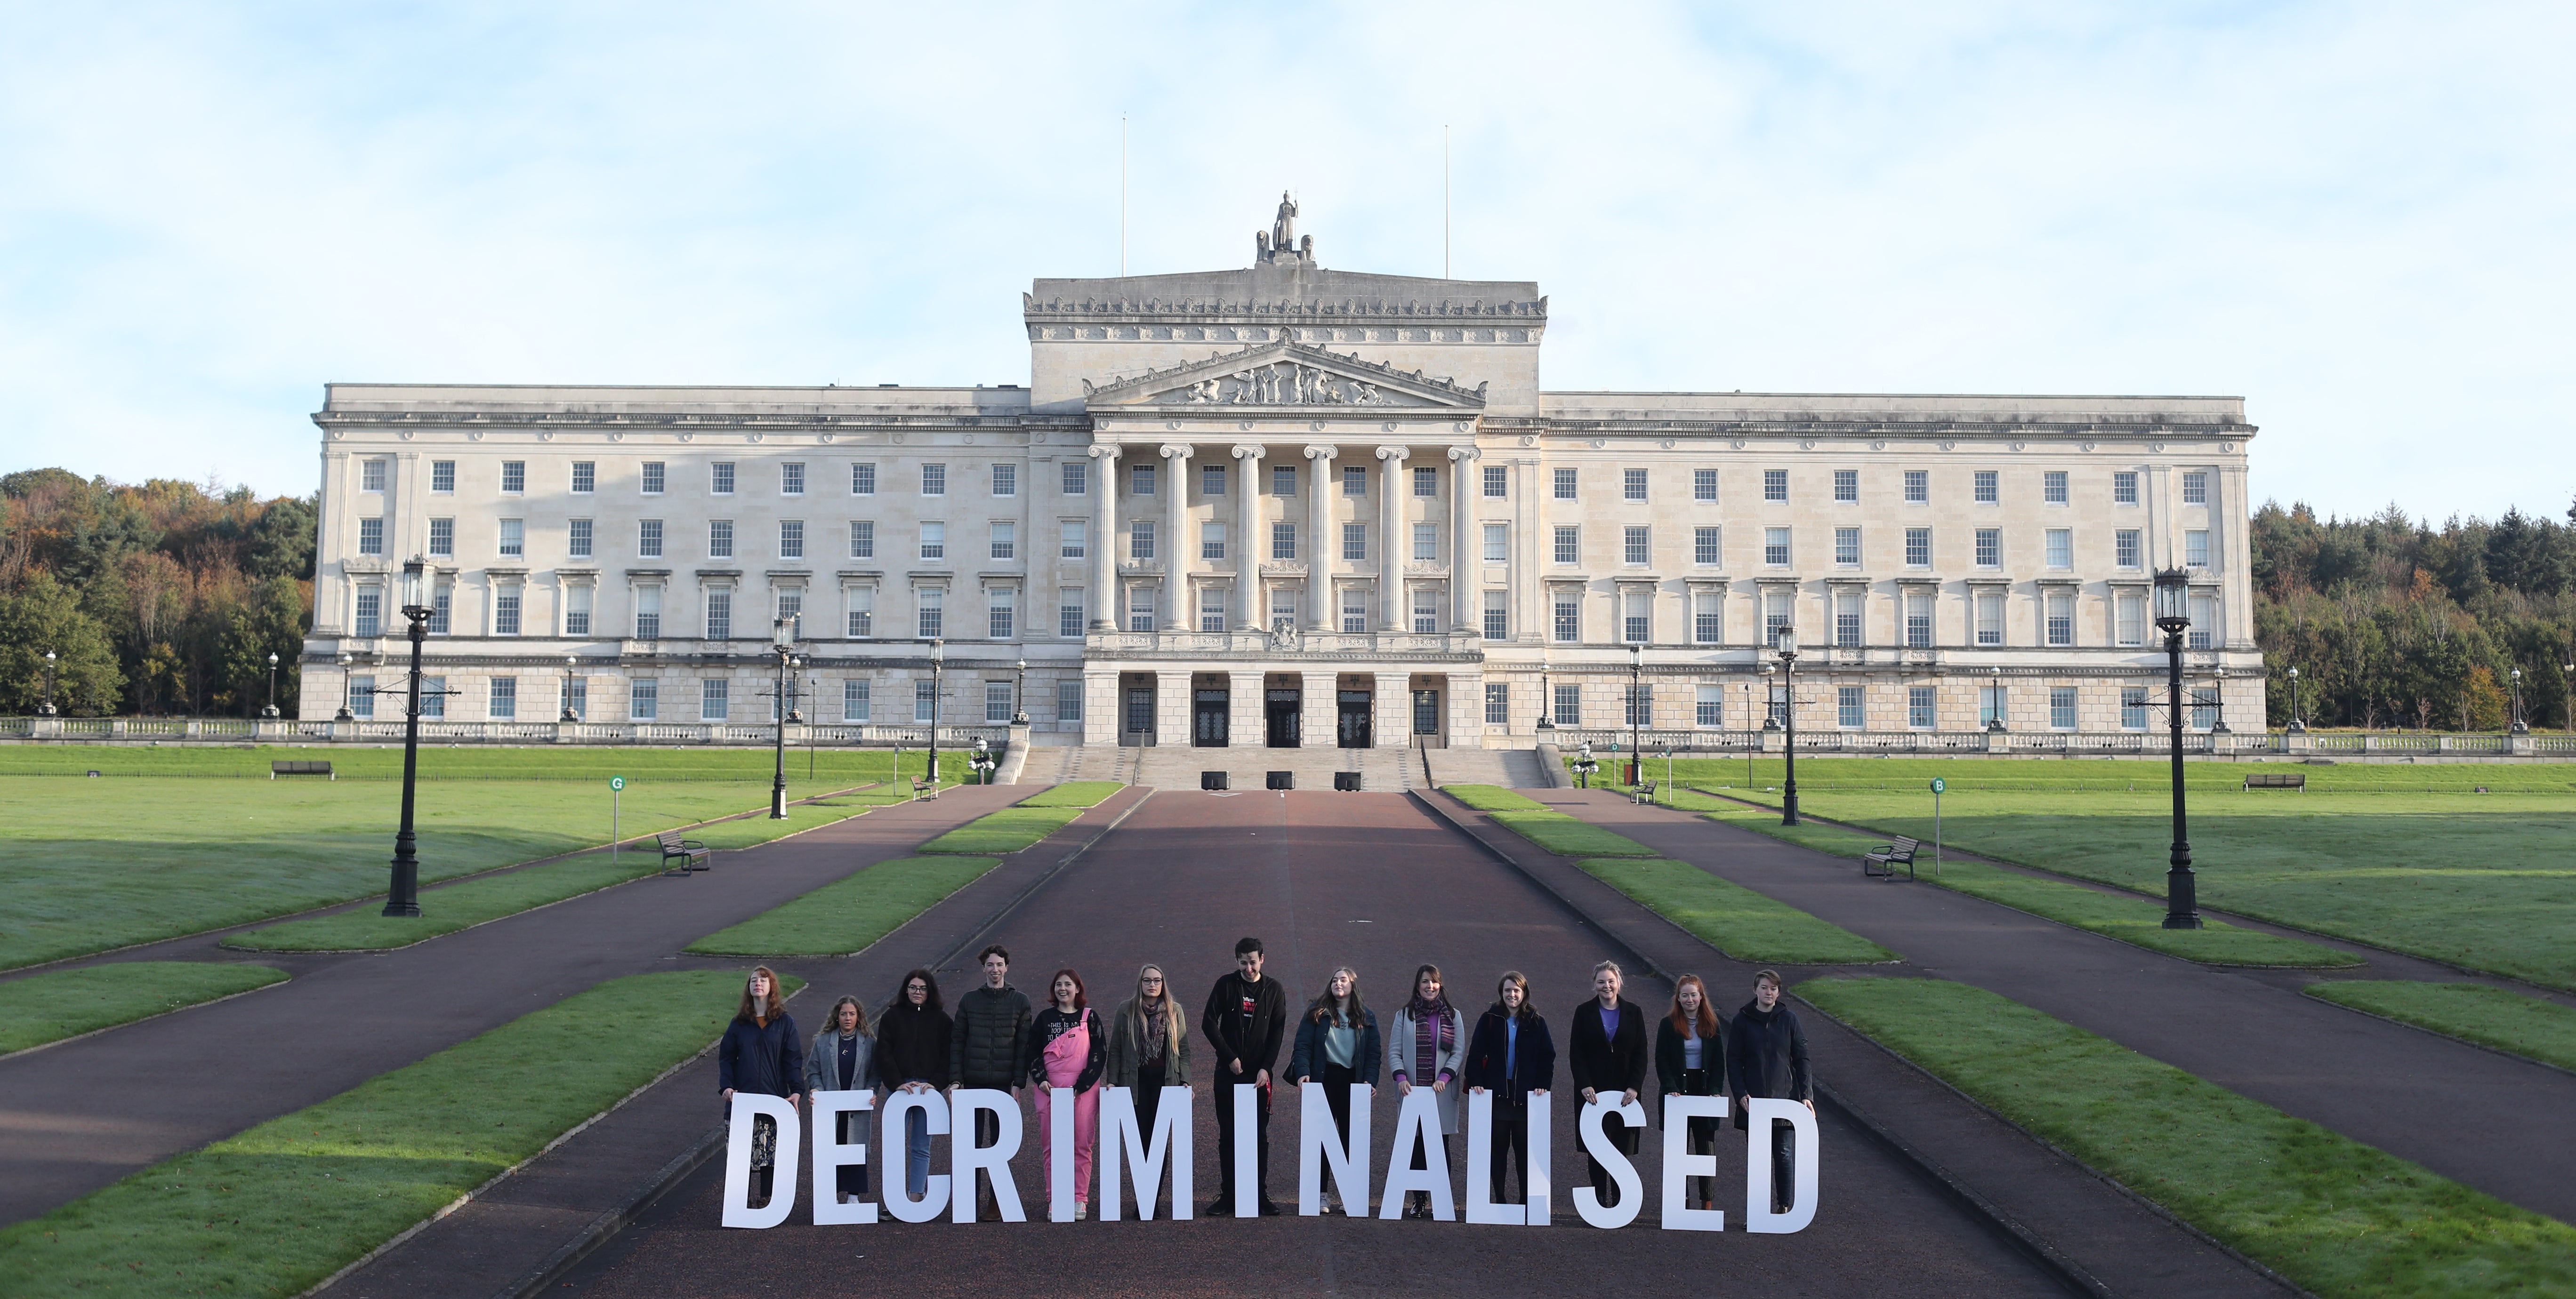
1284	506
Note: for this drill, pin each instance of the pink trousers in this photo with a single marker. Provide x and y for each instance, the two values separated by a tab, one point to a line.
1064	1060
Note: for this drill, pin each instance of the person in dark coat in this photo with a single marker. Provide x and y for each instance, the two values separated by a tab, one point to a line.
989	1049
1690	1060
1605	1050
1337	1048
1766	1055
1512	1056
1245	1019
761	1053
912	1055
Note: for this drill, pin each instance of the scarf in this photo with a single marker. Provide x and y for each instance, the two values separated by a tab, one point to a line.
1435	1024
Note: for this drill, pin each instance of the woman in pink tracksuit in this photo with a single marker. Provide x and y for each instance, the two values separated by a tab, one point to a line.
1067	1051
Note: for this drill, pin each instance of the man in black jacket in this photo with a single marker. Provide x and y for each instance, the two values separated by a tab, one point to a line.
1245	1018
985	1050
1766	1055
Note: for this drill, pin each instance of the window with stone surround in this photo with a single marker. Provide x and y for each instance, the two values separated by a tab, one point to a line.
505	611
1705	548
2195	548
719	614
1569	705
514	538
1355	603
925	700
1990	547
1847	486
934	540
514	477
1704	486
1775	547
644	701
1140	538
791	478
1708	617
371	536
2133	708
1498	704
934	480
1005	540
1498	543
1212	540
577	538
930	613
856	700
648	613
504	704
1283	480
1283	541
442	475
859	618
1918	548
1990	487
1355	541
2060	608
1426	542
719	538
1141	608
1847	619
1990	617
1073	538
1851	711
442	538
1635	546
369	617
1498	621
2124	487
1637	617
1212	608
1847	547
1075	478
1426	481
2060	547
1566	617
863	477
863	539
2195	487
715	699
1565	485
1569	545
1068	703
2127	548
1001	614
653	478
791	538
1775	485
1710	707
1070	612
2061	708
1498	482
1426	611
720	478
1632	485
1918	487
1920	711
2052	487
1354	480
2130	618
1918	620
371	475
1640	701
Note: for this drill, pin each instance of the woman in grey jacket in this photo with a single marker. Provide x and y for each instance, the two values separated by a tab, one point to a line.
1426	1046
844	1060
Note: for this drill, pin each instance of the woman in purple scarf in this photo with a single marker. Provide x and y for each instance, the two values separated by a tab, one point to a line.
1427	1047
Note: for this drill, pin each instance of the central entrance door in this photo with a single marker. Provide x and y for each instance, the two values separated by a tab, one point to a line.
1426	712
1281	708
1138	725
1355	719
1209	710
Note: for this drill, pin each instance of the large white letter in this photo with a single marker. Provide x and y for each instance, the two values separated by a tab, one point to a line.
1061	1191
1119	1135
782	1186
1248	1189
1623	1174
934	1187
965	1158
1762	1112
1417	1129
1542	1140
1680	1164
1317	1136
1480	1158
830	1155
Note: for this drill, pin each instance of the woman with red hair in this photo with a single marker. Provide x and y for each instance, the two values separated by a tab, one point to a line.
1690	1060
1067	1051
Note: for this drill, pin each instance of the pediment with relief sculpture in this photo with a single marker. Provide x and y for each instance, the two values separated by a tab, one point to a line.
1284	374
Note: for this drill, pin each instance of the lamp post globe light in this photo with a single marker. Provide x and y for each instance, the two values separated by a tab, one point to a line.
795	713
2519	727
2218	710
348	684
403	898
1547	699
2298	725
782	643
2173	617
271	710
1020	693
46	709
1636	698
1770	715
1788	651
1995	694
570	663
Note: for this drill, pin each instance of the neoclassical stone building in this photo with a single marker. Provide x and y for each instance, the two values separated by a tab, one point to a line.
1284	506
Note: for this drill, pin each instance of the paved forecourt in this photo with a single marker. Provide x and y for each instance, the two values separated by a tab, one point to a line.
1375	882
87	1112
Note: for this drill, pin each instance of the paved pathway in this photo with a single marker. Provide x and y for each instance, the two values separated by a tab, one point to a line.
76	1117
2505	1125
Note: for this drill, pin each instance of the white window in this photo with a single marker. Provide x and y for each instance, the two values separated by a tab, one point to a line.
2061	707
1212	608
576	697
714	699
1847	629
1006	540
1211	540
930	613
1850	712
442	475
791	608
1498	704
1989	487
859	617
1426	482
514	476
648	538
433	697
1498	480
514	538
1006	480
1775	547
1426	611
2124	487
1847	547
934	480
1992	704
1283	604
1705	547
2131	618
855	701
1568	616
2195	487
2052	487
655	475
1569	705
925	701
371	475
1140	480
1001	613
505	611
2061	547
1355	608
1918	548
648	613
1140	539
1354	480
1640	701
1708	617
1569	545
1775	484
2204	622
863	539
368	619
2126	548
791	539
997	702
863	479
1919	711
1990	547
2195	547
644	701
1211	480
1990	617
720	478
442	607
1564	489
719	614
1710	707
1498	543
1071	614
1283	541
720	539
1498	618
1634	547
2133	708
1140	608
1354	541
1068	701
1283	480
2061	619
1077	477
505	698
791	479
1918	486
577	611
577	538
1426	541
1918	620
371	536
1632	484
1704	485
934	540
1778	609
1847	486
1073	539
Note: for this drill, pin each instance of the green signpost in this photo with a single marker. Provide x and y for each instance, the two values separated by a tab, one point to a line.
616	790
1938	785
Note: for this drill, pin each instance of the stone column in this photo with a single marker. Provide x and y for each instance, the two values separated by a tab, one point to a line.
1178	598
1319	707
1319	513
1100	705
1395	541
1249	547
1466	550
1172	705
1392	727
1244	701
1104	540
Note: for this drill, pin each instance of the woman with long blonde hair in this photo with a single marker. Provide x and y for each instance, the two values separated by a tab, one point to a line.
1149	1045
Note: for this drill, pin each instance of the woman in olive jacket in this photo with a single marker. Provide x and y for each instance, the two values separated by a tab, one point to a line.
1690	1060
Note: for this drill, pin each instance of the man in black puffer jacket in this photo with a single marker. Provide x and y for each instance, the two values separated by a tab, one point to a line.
1766	1055
985	1049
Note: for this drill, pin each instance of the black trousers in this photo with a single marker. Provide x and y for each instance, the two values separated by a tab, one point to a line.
1225	1137
1702	1138
1784	1165
1623	1138
1511	1139
1148	1097
1337	1096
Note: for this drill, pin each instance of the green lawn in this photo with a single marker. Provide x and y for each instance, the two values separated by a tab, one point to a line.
1568	837
1492	798
999	834
88	865
840	768
2342	1219
2498	1017
2476	880
1989	775
276	1209
845	917
1073	793
57	1004
1731	918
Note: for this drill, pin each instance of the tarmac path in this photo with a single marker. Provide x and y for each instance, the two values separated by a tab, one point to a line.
1376	882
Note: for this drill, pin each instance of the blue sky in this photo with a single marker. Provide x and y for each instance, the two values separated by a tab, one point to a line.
2359	217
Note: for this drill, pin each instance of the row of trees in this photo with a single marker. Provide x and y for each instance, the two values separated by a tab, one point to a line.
2393	622
165	597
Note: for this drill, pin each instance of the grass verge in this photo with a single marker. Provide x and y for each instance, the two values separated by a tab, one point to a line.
1021	825
1492	798
57	1004
1567	836
278	1208
2498	1017
2342	1219
1732	918
1073	793
844	918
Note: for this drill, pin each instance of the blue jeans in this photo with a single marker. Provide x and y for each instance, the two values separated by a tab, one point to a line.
916	1152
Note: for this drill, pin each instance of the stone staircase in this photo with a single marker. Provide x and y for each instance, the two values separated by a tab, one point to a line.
1179	767
1509	768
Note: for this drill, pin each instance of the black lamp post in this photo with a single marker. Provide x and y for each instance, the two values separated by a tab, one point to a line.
938	666
1020	694
1636	713
2520	727
2173	617
1995	692
1546	700
1749	730
271	710
569	715
782	640
403	899
1770	701
348	685
2567	692
2218	709
2297	726
46	709
1788	649
795	713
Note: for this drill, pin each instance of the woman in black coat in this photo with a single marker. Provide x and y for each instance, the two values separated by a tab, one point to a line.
761	1053
912	1055
1511	1056
1766	1055
1606	1053
1690	1060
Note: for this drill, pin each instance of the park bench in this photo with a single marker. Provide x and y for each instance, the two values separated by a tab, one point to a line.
691	854
921	787
1885	858
2297	780
1645	793
295	767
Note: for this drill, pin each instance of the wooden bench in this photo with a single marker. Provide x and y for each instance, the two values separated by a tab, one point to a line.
2297	780
921	787
297	767
1645	793
1885	858
691	854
